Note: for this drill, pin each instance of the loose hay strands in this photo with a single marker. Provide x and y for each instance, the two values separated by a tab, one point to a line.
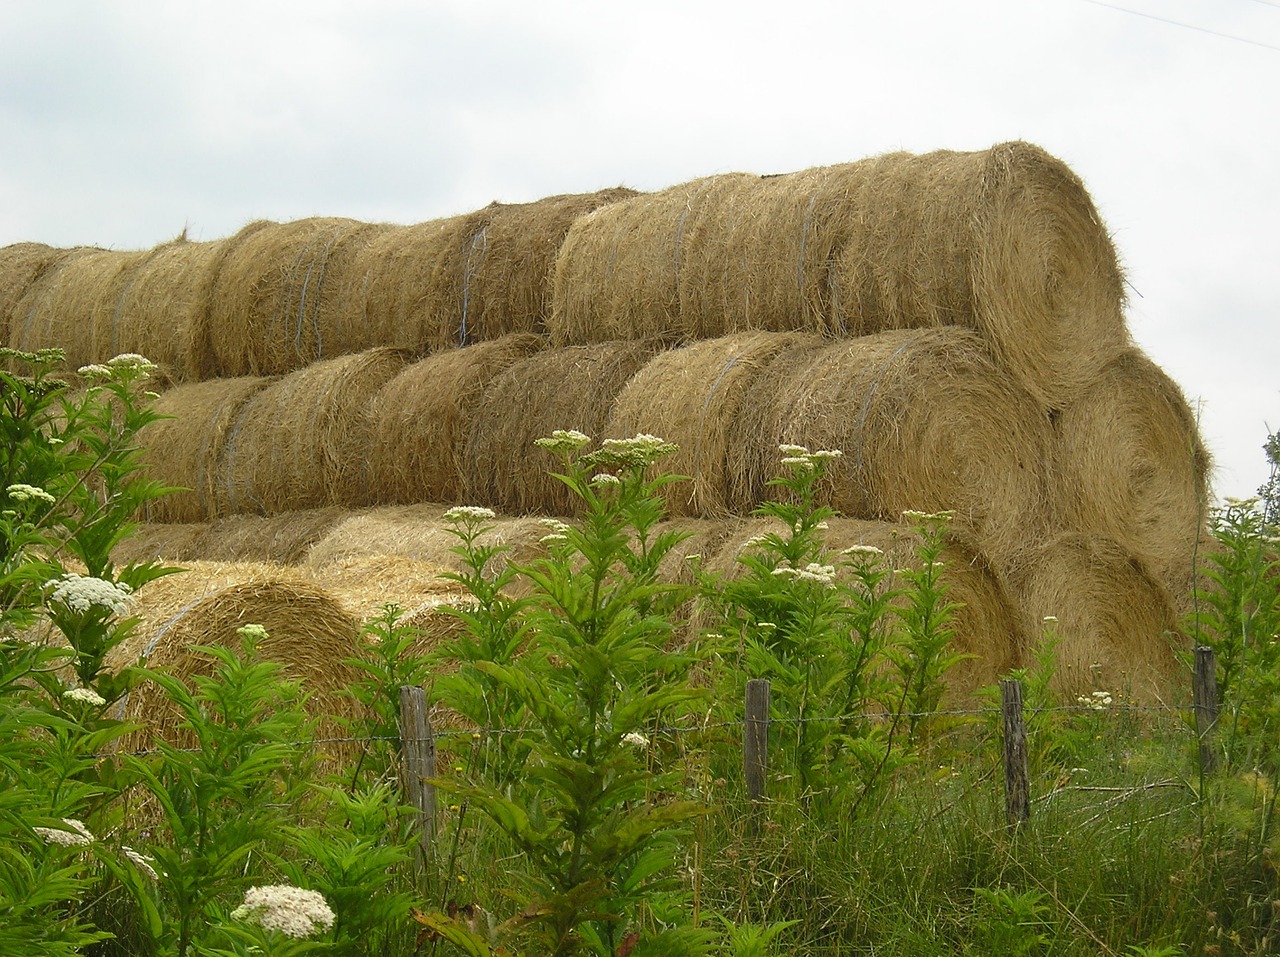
420	420
161	303
308	634
1004	240
571	388
165	542
21	264
71	304
507	281
302	442
1130	464
419	533
691	396
617	275
288	294
1115	623
285	538
183	448
365	584
414	281
925	420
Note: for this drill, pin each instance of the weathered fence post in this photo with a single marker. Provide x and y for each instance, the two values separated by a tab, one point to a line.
1204	696
1017	787
418	763
755	738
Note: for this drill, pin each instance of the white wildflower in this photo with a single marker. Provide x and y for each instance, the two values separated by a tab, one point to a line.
1097	701
81	593
755	541
554	538
636	739
555	525
74	835
564	441
131	360
862	550
84	695
793	450
252	632
1050	619
605	478
95	370
141	862
294	911
828	454
469	513
21	492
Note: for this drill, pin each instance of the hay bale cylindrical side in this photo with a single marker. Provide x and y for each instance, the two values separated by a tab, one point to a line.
1130	464
925	420
617	275
302	442
284	539
1005	240
183	449
421	418
285	295
508	272
71	304
691	396
570	388
308	633
1115	624
161	304
21	264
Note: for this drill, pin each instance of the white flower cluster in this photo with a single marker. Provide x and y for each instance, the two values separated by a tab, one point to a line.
637	452
252	632
21	492
1098	701
141	862
563	441
81	593
74	835
814	572
85	696
869	550
800	456
635	739
602	479
912	515
128	363
469	513
294	911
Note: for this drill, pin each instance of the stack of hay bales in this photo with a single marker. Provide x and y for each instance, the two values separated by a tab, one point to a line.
953	322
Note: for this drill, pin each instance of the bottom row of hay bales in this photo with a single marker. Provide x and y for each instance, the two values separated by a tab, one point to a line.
312	578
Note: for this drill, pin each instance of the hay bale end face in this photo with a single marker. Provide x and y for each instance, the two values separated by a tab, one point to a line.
302	442
571	388
926	421
1129	464
691	396
421	418
21	265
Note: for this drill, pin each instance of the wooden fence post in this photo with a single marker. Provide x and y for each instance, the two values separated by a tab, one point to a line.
755	738
1204	696
418	763
1017	787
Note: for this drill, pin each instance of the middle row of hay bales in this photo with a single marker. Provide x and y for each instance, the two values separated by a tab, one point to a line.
925	418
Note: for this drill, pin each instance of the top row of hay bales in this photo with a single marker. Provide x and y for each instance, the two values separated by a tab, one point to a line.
1005	241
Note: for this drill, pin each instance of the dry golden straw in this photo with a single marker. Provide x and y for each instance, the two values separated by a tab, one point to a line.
1130	465
925	420
420	421
21	264
691	396
283	539
302	442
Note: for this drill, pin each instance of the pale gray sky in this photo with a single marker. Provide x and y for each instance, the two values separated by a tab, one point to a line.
122	122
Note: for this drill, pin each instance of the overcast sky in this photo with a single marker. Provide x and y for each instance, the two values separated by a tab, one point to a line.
123	122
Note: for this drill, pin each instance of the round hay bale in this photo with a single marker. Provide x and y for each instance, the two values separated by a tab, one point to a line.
21	264
507	280
1115	622
308	634
1130	465
303	441
288	294
421	418
184	448
70	305
571	388
925	420
364	584
691	396
166	542
617	275
415	282
285	538
161	303
419	533
1004	240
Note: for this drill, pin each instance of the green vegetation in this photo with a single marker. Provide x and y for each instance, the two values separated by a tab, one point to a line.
592	792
